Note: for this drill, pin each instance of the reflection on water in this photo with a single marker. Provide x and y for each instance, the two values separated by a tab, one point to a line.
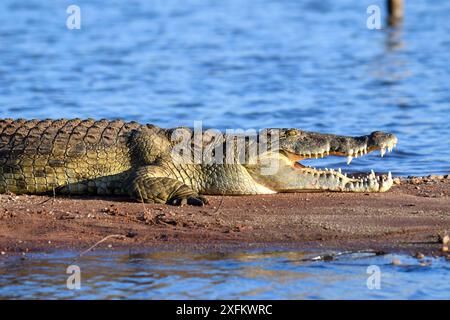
266	63
261	274
394	40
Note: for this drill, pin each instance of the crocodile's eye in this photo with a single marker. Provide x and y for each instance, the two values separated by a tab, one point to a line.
292	132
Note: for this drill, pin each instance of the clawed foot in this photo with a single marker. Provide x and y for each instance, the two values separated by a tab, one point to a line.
190	200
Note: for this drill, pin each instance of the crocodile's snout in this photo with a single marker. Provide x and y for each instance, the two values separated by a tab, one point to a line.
382	141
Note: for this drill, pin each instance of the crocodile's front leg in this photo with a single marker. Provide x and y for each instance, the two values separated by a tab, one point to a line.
151	184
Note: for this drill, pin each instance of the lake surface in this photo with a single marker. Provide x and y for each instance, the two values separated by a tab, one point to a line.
308	64
238	64
257	274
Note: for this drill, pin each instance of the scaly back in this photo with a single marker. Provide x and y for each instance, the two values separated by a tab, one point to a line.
38	154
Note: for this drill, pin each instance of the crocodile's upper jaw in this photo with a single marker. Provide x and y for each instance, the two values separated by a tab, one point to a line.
298	145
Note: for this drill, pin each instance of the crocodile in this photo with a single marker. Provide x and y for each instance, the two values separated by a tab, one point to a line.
115	157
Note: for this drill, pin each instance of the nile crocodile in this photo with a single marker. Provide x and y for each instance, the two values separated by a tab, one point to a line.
126	158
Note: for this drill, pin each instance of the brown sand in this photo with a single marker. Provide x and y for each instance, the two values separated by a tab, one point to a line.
412	217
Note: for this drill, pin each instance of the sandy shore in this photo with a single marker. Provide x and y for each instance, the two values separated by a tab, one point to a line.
412	217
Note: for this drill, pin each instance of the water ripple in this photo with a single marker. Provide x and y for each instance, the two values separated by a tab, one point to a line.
259	274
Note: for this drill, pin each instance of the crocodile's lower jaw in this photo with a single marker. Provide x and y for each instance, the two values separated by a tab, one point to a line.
332	180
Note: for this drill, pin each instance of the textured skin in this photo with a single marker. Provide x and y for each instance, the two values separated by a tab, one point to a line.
68	155
126	158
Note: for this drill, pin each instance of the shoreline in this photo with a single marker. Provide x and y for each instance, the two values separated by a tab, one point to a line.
411	218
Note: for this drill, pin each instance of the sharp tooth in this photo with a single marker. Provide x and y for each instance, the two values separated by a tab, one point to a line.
349	159
339	170
316	155
389	176
372	174
382	151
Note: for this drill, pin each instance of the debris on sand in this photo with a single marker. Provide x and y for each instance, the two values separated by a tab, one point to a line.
159	218
112	210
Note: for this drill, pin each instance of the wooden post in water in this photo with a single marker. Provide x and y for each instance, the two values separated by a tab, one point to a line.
395	12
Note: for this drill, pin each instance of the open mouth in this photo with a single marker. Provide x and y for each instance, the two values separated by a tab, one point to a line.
335	179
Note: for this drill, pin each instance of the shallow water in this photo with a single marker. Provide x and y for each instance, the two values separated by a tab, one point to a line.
258	274
237	64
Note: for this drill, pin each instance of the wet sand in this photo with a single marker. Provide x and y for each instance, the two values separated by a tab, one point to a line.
412	217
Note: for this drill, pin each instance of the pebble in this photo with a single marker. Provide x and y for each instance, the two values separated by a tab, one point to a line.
419	255
445	240
131	234
435	177
445	243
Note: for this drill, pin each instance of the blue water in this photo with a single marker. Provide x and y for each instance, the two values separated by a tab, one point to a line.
257	274
238	64
234	64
